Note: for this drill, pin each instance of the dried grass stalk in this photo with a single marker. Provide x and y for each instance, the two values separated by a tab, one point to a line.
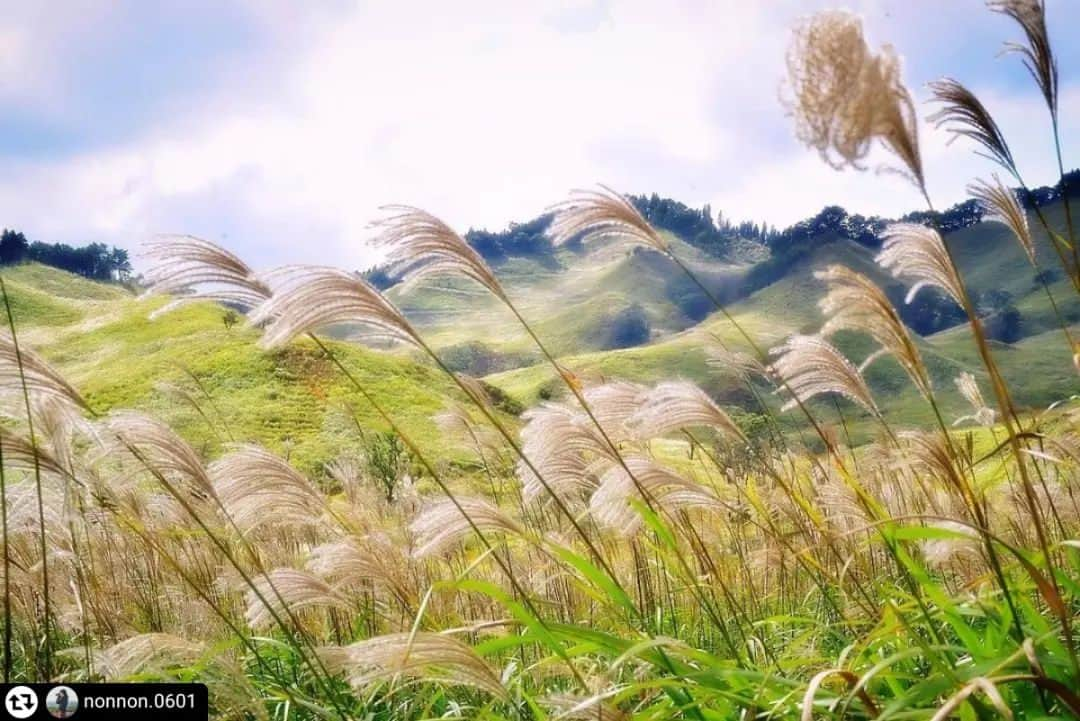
197	269
590	214
854	302
425	657
307	297
422	246
917	253
443	525
963	115
845	97
811	366
1000	204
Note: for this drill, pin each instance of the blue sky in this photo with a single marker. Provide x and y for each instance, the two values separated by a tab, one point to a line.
279	128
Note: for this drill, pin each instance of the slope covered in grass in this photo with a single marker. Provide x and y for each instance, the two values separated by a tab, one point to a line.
292	400
570	298
101	335
1038	363
574	298
44	296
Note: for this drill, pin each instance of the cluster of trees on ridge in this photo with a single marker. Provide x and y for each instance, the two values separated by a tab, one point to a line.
96	261
717	235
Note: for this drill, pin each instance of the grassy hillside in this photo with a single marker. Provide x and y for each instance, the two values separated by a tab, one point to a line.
101	336
41	296
723	551
292	400
570	299
1038	364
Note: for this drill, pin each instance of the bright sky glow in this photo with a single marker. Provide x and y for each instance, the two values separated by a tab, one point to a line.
278	128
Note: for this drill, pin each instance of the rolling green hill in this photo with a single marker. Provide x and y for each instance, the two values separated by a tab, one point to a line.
292	400
1038	363
569	298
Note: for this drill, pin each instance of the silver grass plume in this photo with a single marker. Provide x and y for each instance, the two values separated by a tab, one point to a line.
421	656
679	405
930	453
422	246
744	365
839	504
590	214
613	403
22	510
455	420
19	452
347	471
1037	55
475	390
846	97
854	302
161	449
196	269
40	378
565	447
155	511
969	389
943	552
256	487
917	253
611	505
145	653
443	525
963	115
166	656
308	297
999	204
57	423
811	366
576	708
349	561
291	588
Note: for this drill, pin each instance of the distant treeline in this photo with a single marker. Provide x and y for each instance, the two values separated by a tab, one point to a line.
717	235
697	227
96	260
867	230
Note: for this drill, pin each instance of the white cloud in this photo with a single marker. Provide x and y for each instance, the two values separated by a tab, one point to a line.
797	185
482	114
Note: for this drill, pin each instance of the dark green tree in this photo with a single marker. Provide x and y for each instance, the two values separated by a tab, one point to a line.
13	247
387	461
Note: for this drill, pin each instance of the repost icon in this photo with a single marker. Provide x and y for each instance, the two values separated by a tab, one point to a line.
21	702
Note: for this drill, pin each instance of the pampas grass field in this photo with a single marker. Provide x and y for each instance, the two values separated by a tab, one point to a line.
575	568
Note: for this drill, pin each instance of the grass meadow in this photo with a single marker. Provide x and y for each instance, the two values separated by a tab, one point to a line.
819	517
